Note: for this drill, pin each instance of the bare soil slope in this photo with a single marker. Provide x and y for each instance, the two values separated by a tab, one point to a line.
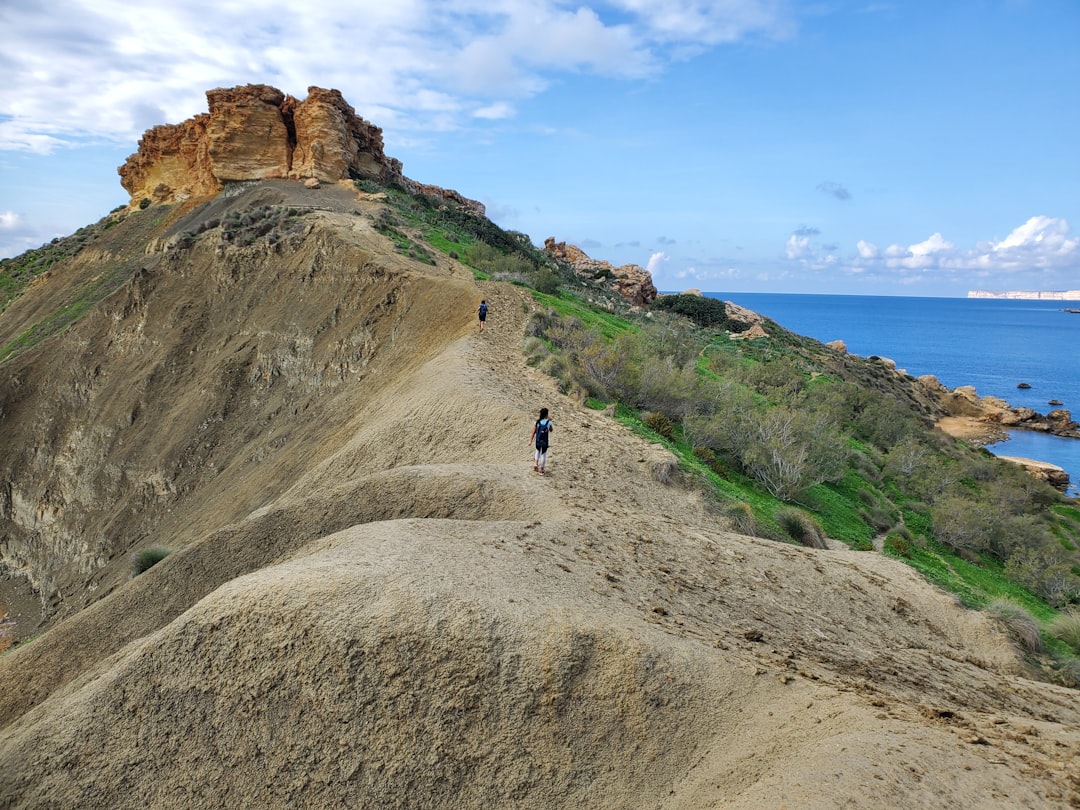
391	609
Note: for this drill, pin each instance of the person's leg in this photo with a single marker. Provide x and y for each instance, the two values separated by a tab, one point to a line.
542	460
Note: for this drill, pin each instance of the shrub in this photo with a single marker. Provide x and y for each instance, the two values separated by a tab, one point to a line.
706	454
546	282
742	517
961	524
671	339
1067	628
787	451
1018	623
897	545
660	423
1069	672
144	203
706	312
801	527
534	349
665	386
1045	571
146	558
663	470
878	517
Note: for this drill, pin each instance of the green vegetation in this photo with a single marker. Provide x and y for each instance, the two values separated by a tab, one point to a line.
799	444
419	222
18	272
706	312
1066	627
144	559
119	240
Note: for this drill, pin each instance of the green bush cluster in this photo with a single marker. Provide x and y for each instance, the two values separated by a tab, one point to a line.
661	424
709	313
845	437
144	559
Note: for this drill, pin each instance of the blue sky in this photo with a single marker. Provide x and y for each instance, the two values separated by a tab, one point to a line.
862	147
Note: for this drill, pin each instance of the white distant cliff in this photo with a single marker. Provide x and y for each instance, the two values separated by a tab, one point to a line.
1044	295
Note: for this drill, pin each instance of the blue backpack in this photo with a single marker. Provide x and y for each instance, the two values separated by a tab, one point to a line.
543	428
483	311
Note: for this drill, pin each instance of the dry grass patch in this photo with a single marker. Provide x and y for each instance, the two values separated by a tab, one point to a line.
1021	626
1067	628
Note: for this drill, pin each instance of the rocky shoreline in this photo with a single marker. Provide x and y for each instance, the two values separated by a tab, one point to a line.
987	420
980	421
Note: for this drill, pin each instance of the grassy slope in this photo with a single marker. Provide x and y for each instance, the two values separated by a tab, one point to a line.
837	507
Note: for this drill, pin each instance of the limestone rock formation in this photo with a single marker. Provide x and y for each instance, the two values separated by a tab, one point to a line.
631	281
1052	474
247	134
257	132
754	322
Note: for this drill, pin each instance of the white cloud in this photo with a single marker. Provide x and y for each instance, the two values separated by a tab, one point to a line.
1042	241
798	246
921	255
9	220
708	22
73	68
1039	254
496	111
657	262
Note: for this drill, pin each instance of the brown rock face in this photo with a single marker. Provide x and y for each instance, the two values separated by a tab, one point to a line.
631	281
256	132
247	136
331	139
173	162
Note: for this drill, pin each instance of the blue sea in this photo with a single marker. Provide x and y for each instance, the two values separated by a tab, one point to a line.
993	345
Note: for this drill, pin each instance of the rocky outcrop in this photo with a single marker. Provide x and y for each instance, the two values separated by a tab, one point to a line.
631	281
1051	474
996	413
257	132
332	141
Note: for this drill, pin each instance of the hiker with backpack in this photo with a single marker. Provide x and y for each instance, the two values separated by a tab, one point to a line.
540	434
481	313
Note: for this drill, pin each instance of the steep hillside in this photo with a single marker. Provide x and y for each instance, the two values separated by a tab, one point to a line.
372	600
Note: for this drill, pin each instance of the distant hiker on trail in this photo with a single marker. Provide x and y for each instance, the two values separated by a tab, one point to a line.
482	314
540	433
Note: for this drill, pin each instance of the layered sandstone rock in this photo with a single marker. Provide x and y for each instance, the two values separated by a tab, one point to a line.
173	162
248	138
631	281
331	139
257	132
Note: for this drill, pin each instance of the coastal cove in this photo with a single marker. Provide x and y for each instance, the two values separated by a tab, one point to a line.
991	344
